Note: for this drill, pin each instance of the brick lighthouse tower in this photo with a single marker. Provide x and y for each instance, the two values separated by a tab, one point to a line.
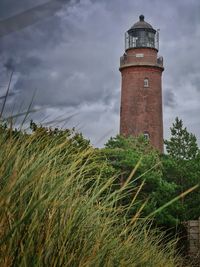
141	93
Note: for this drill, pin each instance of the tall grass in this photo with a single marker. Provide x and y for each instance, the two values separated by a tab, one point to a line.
58	209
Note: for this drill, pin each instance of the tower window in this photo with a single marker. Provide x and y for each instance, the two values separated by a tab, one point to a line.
146	135
146	82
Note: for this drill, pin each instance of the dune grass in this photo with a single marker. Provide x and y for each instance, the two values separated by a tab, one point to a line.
58	209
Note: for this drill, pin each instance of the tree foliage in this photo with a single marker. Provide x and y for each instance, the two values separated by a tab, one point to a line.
124	154
182	144
182	166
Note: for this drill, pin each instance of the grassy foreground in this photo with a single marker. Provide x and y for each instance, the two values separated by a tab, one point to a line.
57	208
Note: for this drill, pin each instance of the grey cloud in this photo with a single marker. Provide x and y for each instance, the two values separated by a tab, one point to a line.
65	75
195	80
169	98
30	16
4	96
71	59
10	64
23	66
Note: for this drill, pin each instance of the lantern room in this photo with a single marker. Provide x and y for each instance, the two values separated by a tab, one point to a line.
141	35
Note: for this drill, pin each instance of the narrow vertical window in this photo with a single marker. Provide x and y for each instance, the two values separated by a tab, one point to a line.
146	135
146	82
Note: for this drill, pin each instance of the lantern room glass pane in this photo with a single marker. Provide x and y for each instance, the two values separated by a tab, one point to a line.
140	38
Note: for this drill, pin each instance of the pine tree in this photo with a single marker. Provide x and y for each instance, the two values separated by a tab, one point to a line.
182	144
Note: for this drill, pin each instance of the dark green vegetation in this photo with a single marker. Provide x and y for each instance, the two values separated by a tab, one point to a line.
164	176
182	167
65	203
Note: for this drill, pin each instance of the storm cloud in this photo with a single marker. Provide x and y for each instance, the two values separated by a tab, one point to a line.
69	58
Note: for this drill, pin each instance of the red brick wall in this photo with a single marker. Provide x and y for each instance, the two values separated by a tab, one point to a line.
141	107
150	55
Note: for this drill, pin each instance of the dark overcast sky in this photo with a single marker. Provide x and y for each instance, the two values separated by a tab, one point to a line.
69	54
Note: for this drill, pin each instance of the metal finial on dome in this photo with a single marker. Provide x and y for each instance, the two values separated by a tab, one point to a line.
141	17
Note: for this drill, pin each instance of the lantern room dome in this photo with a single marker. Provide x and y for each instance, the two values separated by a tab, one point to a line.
141	24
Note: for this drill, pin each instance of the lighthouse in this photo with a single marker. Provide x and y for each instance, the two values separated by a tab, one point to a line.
141	84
